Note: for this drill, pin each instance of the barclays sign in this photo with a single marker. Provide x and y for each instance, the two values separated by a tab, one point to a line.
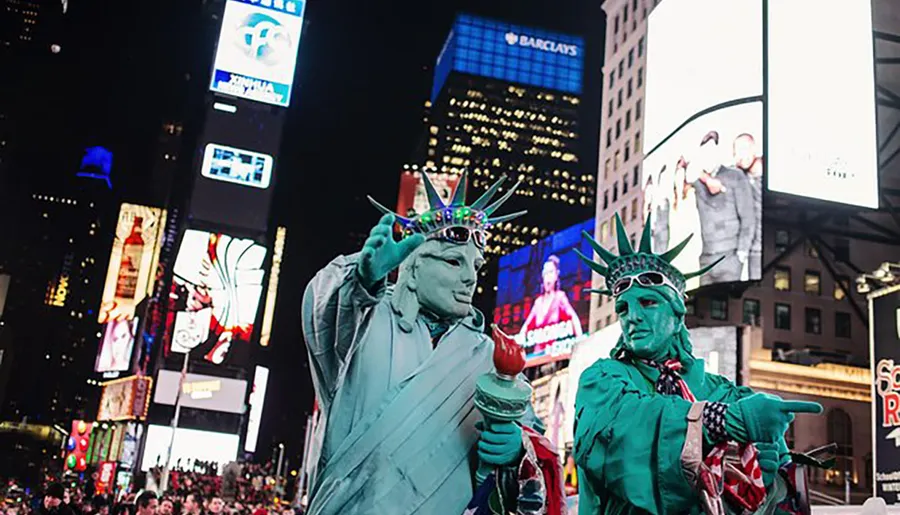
545	45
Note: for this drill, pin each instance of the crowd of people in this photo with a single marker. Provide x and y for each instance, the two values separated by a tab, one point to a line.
248	489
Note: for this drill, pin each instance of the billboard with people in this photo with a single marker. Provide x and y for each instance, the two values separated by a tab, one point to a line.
542	295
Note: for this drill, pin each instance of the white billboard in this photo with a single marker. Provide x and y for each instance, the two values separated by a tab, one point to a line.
821	101
257	50
201	391
257	401
190	445
237	166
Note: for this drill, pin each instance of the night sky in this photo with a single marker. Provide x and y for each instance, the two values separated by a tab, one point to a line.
364	72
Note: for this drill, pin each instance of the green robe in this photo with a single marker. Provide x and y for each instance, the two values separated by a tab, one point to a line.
629	439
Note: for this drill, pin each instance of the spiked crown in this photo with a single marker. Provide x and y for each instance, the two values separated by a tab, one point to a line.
456	213
631	262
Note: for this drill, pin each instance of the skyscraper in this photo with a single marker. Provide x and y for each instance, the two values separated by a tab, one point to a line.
505	101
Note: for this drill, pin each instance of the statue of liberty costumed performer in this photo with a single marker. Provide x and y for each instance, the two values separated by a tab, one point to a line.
655	433
395	370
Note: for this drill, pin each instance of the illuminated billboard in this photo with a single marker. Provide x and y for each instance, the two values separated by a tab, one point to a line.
706	180
265	333
132	261
703	172
257	401
238	166
217	285
542	296
116	346
822	139
188	445
257	50
125	399
201	391
413	198
884	349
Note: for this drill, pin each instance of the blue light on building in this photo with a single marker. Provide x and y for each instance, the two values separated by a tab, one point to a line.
511	53
96	164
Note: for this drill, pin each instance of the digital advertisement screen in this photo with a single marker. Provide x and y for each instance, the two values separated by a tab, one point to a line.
188	445
414	199
125	399
700	54
238	166
707	180
257	401
884	346
116	346
217	285
201	391
257	50
237	162
132	261
822	128
542	298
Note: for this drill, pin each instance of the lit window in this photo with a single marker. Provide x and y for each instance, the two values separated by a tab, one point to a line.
812	282
783	316
840	287
718	308
782	278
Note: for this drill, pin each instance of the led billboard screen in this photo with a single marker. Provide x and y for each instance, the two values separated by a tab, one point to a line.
703	130
132	261
706	180
237	162
257	50
188	445
217	286
125	399
412	197
201	391
116	347
541	296
884	348
822	139
257	401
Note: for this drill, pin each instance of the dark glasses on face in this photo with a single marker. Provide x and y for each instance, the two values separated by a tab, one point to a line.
462	235
644	279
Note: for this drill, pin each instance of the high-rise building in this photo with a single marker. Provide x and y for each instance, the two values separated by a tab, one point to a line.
20	20
810	322
506	101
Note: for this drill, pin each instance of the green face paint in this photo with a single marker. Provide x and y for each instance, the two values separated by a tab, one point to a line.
649	325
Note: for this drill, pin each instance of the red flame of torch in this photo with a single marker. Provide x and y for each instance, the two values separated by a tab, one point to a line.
509	356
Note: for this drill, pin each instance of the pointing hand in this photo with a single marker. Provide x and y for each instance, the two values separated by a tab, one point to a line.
381	254
764	418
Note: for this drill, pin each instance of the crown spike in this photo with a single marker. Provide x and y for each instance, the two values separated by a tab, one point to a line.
505	218
459	194
599	291
646	245
489	194
434	200
625	248
672	253
496	205
595	266
400	219
607	256
703	270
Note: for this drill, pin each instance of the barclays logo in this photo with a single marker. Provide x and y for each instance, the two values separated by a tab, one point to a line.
541	44
262	38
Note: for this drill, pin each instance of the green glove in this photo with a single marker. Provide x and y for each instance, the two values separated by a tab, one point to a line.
500	444
764	418
381	254
768	461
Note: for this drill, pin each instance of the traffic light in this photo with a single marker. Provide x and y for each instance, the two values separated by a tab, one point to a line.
77	445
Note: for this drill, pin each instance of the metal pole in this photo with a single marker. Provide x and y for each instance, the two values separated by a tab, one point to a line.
278	467
164	480
847	487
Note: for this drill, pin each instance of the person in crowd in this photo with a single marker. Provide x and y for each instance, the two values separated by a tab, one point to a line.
726	213
147	503
550	308
166	506
193	504
215	505
53	502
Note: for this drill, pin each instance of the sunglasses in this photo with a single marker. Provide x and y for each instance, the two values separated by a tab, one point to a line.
462	235
644	279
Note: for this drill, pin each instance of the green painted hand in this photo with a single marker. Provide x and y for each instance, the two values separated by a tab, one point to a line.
764	418
500	444
381	254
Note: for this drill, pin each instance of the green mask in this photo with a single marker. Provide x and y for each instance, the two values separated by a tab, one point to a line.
649	324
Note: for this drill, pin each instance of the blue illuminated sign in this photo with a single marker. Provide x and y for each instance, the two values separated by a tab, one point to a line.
96	164
257	51
511	53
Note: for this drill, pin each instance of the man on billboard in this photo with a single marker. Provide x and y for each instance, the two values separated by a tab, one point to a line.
551	311
654	432
395	369
726	212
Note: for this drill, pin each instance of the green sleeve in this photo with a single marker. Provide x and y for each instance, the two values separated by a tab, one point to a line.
628	442
723	390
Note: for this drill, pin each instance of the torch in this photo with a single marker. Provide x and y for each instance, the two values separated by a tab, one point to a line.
500	395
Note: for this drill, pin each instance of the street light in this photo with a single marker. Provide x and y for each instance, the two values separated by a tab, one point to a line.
884	276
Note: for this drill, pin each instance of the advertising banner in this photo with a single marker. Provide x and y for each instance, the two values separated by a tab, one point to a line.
238	166
257	50
884	347
257	401
132	261
106	477
413	198
189	445
125	399
201	391
542	297
216	289
116	347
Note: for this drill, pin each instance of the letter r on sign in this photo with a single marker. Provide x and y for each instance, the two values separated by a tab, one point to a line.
891	407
